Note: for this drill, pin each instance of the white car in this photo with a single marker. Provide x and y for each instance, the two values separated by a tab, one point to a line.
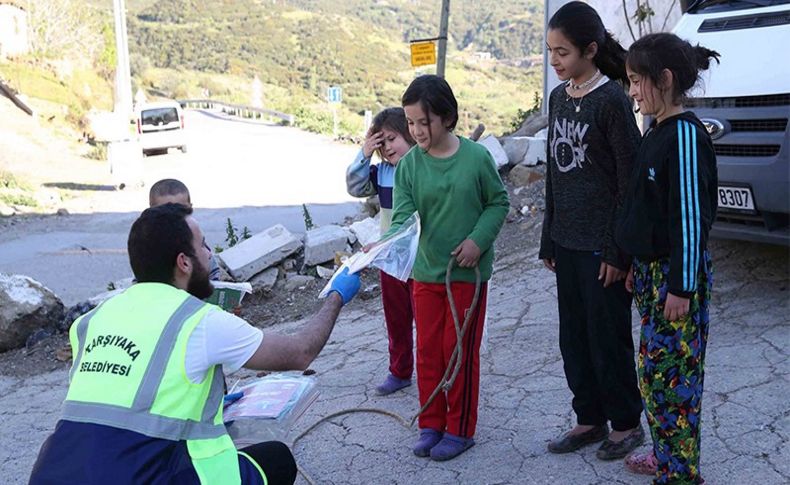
161	126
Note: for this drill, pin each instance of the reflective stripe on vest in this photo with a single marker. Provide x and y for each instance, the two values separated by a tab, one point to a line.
137	418
161	402
81	330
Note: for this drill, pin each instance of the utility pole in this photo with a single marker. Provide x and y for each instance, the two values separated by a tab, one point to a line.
442	54
550	79
123	76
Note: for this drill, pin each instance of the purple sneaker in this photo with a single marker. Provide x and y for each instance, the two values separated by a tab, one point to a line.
392	384
428	439
450	446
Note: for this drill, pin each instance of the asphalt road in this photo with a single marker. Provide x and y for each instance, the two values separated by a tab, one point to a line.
255	174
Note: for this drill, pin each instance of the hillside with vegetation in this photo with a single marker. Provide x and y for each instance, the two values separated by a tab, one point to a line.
298	48
507	30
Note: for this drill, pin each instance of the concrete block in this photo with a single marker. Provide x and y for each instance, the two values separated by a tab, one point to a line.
525	150
259	252
297	281
495	149
536	152
324	273
350	235
516	148
118	287
320	244
289	265
265	280
367	230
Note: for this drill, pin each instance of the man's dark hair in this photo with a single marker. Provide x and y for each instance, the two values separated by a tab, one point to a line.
155	241
167	187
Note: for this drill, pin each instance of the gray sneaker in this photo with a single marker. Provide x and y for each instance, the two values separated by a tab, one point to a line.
615	450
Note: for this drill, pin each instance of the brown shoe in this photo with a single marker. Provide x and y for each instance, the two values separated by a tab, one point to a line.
614	450
572	442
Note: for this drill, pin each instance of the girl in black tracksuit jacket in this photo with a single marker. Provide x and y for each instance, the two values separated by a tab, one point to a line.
666	217
671	200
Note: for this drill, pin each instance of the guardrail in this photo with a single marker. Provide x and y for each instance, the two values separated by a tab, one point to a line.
237	109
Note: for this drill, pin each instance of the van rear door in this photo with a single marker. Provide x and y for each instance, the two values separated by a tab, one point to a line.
160	119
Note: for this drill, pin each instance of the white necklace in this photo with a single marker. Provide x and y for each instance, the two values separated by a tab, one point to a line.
579	87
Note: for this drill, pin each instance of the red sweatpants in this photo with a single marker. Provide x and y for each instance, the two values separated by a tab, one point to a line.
396	299
456	410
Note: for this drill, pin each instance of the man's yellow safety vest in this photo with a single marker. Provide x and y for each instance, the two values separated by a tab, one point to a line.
129	373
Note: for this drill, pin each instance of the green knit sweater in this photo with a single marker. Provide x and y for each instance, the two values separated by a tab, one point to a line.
459	197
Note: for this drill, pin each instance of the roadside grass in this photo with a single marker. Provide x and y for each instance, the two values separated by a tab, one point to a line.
10	181
18	199
14	191
97	151
75	93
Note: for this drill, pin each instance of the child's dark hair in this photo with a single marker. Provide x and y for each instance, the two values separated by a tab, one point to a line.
435	96
167	187
393	119
582	25
653	53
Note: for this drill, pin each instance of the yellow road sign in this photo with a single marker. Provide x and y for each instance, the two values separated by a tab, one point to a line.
423	53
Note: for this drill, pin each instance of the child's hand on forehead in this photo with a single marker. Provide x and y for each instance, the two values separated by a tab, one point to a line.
372	143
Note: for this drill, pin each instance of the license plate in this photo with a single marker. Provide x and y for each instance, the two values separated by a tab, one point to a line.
736	198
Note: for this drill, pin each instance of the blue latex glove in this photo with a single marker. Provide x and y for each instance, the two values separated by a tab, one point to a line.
229	399
346	285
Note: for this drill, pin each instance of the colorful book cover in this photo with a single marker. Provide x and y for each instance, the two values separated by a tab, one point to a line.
265	399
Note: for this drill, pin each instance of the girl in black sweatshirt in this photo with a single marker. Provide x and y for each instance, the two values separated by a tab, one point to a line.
669	208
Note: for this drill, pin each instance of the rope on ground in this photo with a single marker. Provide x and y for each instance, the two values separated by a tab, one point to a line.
391	414
447	380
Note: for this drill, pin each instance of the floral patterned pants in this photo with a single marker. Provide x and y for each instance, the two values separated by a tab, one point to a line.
671	369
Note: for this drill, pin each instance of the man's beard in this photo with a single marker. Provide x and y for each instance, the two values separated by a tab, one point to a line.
199	285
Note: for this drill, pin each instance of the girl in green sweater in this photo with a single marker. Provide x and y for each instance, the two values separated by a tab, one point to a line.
453	184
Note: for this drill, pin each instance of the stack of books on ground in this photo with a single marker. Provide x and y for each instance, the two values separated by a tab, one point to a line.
269	407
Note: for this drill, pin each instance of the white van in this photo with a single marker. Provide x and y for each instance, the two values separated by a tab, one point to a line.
161	126
745	105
